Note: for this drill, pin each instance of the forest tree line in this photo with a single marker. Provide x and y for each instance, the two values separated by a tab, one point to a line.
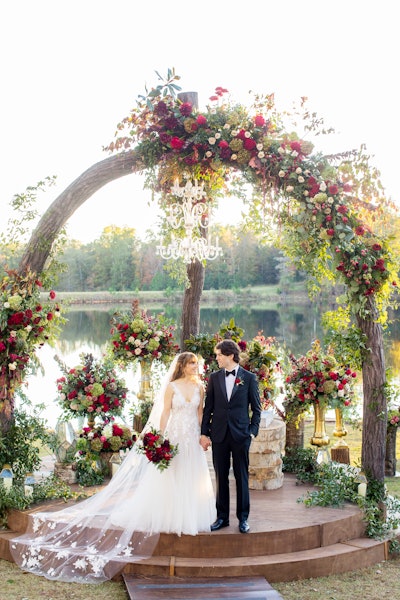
120	261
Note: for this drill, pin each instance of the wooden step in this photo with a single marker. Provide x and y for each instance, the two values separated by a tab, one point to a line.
176	588
317	562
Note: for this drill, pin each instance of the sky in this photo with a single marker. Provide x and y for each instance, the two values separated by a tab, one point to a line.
72	69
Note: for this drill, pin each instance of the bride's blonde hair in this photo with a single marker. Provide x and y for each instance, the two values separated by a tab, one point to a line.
181	362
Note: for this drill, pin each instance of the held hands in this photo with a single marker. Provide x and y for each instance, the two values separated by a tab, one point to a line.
205	442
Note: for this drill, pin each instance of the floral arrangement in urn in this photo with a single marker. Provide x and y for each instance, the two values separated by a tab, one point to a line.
26	324
318	377
91	388
137	336
107	436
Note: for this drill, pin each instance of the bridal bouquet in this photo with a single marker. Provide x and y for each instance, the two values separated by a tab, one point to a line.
157	449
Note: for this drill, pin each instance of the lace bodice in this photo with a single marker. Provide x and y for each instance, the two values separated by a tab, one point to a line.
183	424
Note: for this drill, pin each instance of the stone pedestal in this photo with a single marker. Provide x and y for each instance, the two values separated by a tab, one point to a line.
65	472
265	470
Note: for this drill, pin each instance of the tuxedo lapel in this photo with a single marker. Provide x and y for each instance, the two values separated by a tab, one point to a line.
221	382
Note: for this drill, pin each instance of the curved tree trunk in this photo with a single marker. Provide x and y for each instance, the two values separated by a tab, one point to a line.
63	207
390	458
374	407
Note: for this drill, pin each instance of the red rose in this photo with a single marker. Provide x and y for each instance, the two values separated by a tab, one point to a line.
201	120
259	121
52	294
49	316
249	144
223	144
333	189
177	143
330	232
296	146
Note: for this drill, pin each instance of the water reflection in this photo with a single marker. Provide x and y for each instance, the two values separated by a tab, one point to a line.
88	329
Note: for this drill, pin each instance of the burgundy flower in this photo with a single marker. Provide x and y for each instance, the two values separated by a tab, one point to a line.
201	120
185	109
177	143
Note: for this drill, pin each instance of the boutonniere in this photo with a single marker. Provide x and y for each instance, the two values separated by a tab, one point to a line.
239	381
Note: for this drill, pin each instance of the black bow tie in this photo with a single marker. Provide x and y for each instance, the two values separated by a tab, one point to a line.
230	372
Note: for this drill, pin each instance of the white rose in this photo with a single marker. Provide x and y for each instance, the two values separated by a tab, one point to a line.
227	126
12	366
208	153
247	134
137	343
6	305
305	193
299	170
234	157
211	141
289	188
300	179
281	173
138	351
234	133
259	146
28	328
13	333
322	187
340	393
131	339
261	154
217	136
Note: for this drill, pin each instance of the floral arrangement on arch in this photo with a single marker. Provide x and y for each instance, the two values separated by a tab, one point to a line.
26	324
107	436
137	336
315	198
317	377
91	388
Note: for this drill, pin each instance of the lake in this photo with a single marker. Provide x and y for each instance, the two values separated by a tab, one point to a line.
87	330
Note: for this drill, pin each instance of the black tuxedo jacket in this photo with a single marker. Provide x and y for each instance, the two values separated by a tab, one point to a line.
219	413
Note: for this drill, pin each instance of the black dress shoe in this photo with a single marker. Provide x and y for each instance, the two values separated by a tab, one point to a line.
244	527
219	524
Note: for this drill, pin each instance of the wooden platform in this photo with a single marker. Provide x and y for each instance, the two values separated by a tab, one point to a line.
287	541
176	588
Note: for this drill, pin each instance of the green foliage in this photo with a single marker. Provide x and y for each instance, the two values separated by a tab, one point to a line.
302	462
19	447
89	470
345	337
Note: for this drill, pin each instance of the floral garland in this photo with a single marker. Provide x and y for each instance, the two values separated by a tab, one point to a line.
317	378
91	388
157	449
315	199
137	336
26	324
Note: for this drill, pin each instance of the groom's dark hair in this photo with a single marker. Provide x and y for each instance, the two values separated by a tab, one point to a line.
228	347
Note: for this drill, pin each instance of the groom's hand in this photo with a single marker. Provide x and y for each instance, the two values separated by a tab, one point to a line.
205	442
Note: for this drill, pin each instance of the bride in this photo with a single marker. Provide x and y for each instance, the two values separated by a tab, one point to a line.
92	540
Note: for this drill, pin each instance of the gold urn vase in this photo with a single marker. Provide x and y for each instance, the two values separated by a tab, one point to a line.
320	437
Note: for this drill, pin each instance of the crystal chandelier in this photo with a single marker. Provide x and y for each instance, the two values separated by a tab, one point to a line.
191	213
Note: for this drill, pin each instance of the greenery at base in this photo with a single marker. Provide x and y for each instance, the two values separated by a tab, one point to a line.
89	471
337	484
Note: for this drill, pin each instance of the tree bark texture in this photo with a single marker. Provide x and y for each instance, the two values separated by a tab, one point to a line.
190	320
374	406
64	206
390	456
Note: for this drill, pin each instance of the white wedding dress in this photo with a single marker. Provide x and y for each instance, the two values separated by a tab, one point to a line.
90	541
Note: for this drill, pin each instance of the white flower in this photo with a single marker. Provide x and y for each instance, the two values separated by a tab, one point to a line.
227	126
289	188
294	153
247	134
322	187
305	193
28	328
281	173
300	179
234	157
217	136
13	333
299	170
261	154
138	351
234	133
80	563
6	305
281	150
211	141
340	393
208	153
259	146
137	342
12	366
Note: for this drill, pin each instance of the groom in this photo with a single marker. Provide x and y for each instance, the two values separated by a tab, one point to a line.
230	393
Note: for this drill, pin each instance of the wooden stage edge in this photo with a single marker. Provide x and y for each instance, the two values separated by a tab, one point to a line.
287	541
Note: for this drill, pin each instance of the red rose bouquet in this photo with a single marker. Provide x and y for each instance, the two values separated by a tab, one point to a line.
157	449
